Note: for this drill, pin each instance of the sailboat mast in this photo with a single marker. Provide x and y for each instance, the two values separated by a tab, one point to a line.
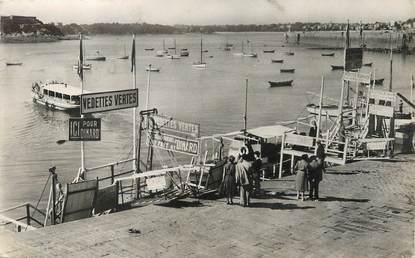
201	48
81	77
390	59
246	106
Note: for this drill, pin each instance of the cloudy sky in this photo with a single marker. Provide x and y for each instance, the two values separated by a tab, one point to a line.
204	12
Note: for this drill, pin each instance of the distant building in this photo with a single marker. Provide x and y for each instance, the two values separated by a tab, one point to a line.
18	24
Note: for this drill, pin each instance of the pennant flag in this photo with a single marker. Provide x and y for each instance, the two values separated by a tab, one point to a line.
81	59
133	55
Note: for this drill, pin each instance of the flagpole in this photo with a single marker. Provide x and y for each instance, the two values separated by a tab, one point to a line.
246	106
81	76
134	70
148	86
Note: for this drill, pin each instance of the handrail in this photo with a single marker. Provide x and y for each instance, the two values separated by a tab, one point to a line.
109	164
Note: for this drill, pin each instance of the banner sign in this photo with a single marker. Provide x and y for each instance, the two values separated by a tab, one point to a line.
353	58
379	145
356	77
175	144
110	100
295	139
380	110
84	129
156	183
383	95
169	124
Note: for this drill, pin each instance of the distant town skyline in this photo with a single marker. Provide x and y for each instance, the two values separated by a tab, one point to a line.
209	12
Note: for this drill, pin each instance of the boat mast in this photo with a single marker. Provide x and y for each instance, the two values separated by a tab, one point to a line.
246	106
320	106
390	58
134	71
201	48
81	77
347	44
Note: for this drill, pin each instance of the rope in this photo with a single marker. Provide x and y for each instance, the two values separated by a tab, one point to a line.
40	198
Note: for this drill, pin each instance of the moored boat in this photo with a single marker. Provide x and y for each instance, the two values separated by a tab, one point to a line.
327	54
184	52
123	57
326	110
149	49
84	66
13	63
368	64
290	53
280	83
56	95
160	53
269	51
290	70
277	60
200	63
337	67
153	69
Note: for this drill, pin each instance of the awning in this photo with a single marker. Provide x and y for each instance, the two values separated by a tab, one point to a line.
267	132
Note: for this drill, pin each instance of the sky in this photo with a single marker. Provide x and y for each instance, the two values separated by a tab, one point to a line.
204	12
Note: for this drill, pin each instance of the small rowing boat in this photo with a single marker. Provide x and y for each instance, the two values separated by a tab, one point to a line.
269	51
327	54
337	67
149	49
280	83
96	58
153	69
290	70
11	63
277	60
289	53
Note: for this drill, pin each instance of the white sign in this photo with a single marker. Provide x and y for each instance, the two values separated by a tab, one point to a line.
380	145
110	100
381	110
301	140
356	77
175	144
383	95
156	183
174	125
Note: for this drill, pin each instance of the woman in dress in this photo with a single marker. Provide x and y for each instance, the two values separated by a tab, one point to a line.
301	170
228	179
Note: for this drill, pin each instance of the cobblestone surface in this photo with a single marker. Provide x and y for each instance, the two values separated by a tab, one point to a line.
366	210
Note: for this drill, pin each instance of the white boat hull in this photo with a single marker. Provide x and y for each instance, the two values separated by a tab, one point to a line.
199	65
331	111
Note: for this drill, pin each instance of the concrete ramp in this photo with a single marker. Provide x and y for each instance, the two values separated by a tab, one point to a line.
79	200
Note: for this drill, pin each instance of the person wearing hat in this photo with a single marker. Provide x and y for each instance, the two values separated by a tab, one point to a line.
228	180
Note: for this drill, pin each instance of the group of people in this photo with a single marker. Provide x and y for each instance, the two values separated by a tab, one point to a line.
243	173
309	173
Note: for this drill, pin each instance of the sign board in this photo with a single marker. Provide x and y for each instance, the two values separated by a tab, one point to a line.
173	125
156	183
356	77
176	144
301	140
84	129
378	145
383	95
381	110
110	100
353	58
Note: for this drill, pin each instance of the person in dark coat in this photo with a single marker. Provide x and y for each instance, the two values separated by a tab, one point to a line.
301	170
256	171
315	176
228	180
321	154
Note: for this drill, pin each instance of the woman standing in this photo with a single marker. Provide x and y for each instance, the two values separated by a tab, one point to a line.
301	169
228	179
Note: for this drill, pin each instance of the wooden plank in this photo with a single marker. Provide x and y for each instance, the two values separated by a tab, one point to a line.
79	200
301	140
381	110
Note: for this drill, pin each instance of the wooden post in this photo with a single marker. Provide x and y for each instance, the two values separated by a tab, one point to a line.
319	112
345	150
281	155
112	174
292	163
28	214
53	199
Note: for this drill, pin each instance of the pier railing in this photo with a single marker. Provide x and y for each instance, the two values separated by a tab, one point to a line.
24	223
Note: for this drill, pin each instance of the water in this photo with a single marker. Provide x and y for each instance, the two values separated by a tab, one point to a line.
212	97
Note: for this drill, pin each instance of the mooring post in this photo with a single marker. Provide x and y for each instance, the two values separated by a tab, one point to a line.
28	214
112	174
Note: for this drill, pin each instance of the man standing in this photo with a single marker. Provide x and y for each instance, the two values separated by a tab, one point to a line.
256	171
243	170
315	176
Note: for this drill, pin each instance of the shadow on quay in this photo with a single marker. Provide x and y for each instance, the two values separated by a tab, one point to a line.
279	206
340	199
181	204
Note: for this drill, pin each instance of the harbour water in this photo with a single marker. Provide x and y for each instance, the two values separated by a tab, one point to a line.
213	97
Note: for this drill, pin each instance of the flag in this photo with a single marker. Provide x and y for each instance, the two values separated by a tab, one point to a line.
133	55
81	59
348	35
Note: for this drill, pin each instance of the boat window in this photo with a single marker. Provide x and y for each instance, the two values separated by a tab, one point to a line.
67	97
382	102
371	101
45	91
58	95
51	93
76	99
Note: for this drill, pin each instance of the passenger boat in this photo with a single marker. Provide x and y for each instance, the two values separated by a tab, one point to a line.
277	60
269	51
290	70
153	69
11	63
280	83
327	110
337	67
84	66
200	63
327	54
56	95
